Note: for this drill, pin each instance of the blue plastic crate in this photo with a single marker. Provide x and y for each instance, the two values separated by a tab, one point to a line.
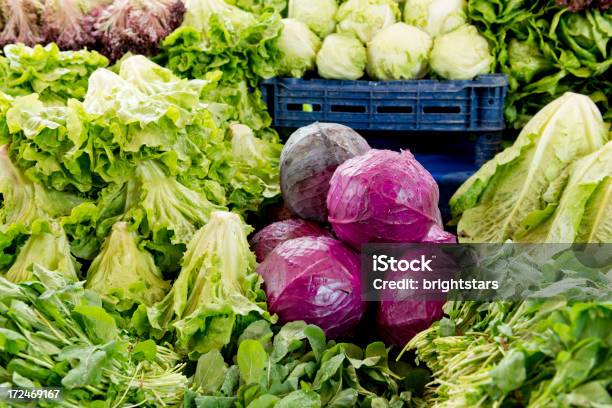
420	105
450	173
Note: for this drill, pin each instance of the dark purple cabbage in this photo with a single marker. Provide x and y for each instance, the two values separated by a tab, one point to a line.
403	313
315	279
308	162
383	196
275	234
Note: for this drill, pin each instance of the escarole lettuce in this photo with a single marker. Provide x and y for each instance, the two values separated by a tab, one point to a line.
216	286
124	272
492	205
48	247
256	164
102	139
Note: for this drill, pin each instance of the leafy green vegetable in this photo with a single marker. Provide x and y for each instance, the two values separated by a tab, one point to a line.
217	35
298	367
365	18
217	284
255	163
520	354
47	246
580	213
124	272
56	75
342	56
56	334
435	17
498	202
461	54
318	15
298	46
546	51
169	206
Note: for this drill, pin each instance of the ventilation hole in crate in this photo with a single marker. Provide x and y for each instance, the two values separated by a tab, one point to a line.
442	109
298	107
348	108
491	101
395	109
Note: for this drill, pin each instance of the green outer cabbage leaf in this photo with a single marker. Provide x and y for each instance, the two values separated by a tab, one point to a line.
492	205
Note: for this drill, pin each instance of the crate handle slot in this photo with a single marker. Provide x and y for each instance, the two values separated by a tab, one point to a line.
442	109
348	108
305	107
395	109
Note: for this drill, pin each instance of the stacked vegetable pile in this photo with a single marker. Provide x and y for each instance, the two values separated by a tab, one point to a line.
141	147
328	172
369	35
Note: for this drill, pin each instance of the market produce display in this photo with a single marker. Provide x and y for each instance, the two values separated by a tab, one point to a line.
160	247
395	50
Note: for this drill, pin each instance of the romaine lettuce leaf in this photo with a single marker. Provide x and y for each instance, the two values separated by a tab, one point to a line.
582	214
492	205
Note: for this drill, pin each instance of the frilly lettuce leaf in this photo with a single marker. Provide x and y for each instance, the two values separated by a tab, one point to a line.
124	272
216	35
56	75
168	205
256	164
47	246
216	285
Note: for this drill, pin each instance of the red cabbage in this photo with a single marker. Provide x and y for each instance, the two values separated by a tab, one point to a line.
399	321
437	235
315	279
382	196
275	234
308	162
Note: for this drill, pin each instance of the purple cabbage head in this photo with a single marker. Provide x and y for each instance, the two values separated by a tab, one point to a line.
383	196
400	320
308	162
275	234
315	279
